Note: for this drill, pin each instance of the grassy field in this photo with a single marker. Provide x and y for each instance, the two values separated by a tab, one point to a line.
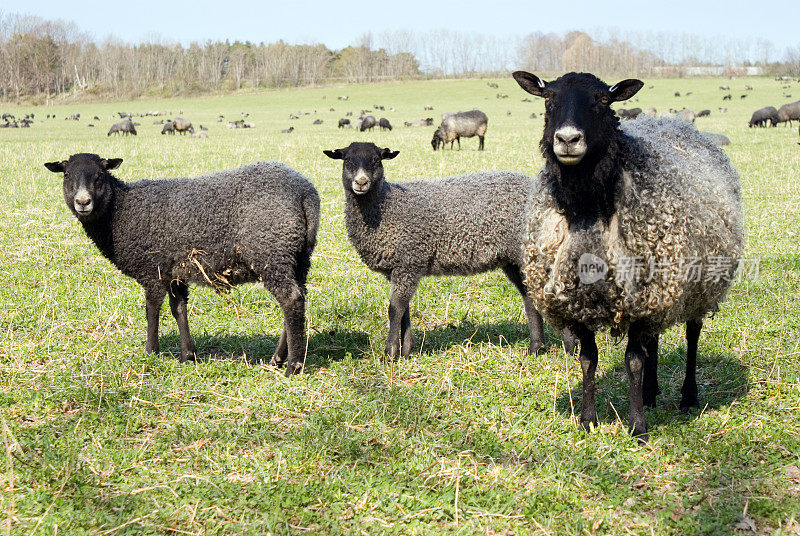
467	436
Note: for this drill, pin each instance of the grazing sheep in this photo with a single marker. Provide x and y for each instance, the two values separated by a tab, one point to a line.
255	223
635	229
454	126
762	115
344	122
789	112
123	127
287	130
461	225
686	115
632	113
384	124
183	125
703	113
169	128
368	122
718	139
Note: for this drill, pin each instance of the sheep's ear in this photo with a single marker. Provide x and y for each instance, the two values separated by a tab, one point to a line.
625	90
56	167
388	154
336	154
110	163
529	82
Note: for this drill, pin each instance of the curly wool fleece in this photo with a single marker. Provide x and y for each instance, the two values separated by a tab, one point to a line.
677	206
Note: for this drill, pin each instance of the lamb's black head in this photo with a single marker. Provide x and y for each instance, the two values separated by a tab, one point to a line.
578	119
437	140
87	183
362	169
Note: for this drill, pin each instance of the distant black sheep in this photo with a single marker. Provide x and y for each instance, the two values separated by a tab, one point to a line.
762	115
255	223
384	124
367	123
344	123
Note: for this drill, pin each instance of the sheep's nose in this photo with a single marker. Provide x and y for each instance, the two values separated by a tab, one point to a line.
569	136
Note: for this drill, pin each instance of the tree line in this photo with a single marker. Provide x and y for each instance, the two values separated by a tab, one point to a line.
44	58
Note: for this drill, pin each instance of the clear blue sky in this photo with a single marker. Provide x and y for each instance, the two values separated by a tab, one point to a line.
338	24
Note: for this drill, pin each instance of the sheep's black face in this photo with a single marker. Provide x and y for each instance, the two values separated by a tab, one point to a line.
87	188
362	169
578	121
437	140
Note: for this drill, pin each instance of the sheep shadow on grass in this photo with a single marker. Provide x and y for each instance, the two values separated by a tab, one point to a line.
721	380
441	338
323	347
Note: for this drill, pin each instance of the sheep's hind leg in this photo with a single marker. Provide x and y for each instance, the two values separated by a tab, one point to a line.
689	389
588	358
292	300
650	381
406	335
153	299
635	359
535	323
178	299
281	350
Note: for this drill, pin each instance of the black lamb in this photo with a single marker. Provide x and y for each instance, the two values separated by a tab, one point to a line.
255	223
461	225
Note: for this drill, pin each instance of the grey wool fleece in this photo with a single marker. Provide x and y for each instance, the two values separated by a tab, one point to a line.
678	207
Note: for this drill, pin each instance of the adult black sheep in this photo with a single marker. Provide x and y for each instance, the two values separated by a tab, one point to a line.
761	116
655	194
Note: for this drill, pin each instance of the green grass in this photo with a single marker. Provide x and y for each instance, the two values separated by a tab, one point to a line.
467	436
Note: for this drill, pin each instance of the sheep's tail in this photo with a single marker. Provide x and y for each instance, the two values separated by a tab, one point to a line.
311	208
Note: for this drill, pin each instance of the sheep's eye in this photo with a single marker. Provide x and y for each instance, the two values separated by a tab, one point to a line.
604	99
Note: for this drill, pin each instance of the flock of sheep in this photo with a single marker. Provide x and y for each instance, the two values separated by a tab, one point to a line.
655	191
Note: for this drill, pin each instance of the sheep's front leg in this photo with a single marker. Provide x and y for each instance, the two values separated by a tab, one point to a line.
650	381
689	389
402	290
153	299
588	358
535	323
635	359
178	300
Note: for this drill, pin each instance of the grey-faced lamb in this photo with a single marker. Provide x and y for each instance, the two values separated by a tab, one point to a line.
123	127
634	229
458	125
384	124
461	225
169	128
255	223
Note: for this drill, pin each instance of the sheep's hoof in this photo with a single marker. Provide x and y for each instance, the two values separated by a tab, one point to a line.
536	348
293	368
589	421
187	357
277	361
638	430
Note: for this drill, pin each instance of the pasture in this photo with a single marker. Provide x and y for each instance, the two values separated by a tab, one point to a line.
467	436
